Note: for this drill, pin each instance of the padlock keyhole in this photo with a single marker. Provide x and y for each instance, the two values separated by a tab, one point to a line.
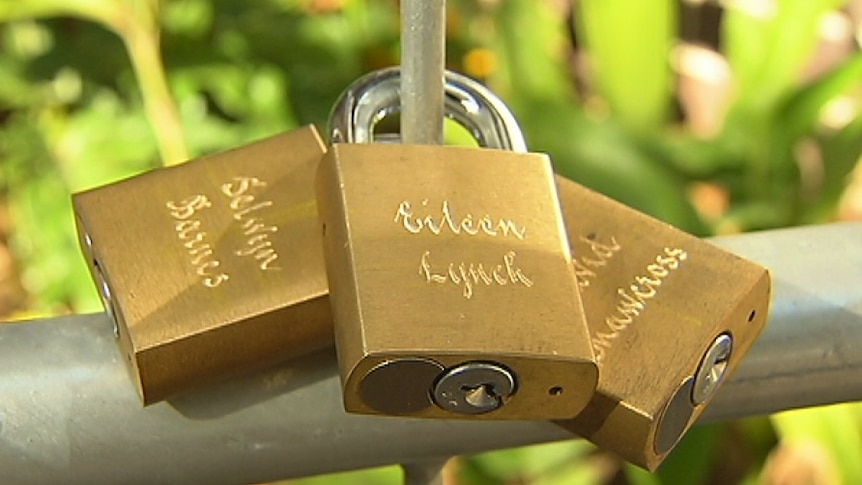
481	396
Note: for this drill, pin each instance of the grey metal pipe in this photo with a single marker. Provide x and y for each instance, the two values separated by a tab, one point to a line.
423	25
69	412
811	352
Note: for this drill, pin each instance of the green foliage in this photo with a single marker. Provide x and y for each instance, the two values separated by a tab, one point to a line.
538	465
389	475
630	41
835	430
92	91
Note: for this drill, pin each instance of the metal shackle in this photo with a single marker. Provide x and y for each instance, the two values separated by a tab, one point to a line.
377	95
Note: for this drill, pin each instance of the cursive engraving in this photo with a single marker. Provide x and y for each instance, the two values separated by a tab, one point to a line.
244	203
598	257
468	275
187	207
193	238
465	225
632	301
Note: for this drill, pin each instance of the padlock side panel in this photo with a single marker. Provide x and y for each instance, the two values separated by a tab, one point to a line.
451	252
340	272
656	299
232	350
212	243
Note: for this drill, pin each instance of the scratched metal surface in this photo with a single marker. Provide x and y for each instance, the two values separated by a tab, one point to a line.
69	412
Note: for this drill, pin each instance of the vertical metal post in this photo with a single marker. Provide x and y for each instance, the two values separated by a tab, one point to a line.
423	25
423	40
426	472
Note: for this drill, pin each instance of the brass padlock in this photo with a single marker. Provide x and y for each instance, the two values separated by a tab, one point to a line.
670	315
449	269
212	267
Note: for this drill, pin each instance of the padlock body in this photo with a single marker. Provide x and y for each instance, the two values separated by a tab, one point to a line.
213	267
656	298
445	255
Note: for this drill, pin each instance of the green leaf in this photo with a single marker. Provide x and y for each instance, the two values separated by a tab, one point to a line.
107	12
629	43
532	461
532	66
691	461
601	155
840	154
768	42
800	112
835	428
389	475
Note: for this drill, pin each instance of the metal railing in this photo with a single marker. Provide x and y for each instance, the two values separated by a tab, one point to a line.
69	412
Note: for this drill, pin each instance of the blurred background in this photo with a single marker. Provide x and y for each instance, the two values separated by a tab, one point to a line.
716	116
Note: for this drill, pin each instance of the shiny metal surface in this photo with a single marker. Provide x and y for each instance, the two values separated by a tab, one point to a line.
675	419
811	352
656	299
374	96
213	267
69	413
474	388
472	264
447	316
712	369
423	39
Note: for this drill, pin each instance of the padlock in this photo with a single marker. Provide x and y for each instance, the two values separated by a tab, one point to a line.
670	316
669	347
213	267
449	270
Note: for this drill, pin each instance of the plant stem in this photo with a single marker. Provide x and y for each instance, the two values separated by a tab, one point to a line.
140	33
136	23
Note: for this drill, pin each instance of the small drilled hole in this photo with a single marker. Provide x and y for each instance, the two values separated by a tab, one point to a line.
555	391
752	315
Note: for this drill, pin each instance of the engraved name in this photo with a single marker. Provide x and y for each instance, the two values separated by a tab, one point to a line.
598	257
193	238
245	205
469	275
632	301
435	223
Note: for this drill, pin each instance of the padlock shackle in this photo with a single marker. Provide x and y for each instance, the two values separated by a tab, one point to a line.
376	95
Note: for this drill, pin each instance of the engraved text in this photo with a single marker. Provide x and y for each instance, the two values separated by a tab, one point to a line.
194	240
632	301
446	219
244	206
598	257
468	275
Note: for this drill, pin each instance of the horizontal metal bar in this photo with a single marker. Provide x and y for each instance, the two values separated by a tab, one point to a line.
70	414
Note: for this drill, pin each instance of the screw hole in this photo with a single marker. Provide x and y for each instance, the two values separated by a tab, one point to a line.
324	229
555	391
752	315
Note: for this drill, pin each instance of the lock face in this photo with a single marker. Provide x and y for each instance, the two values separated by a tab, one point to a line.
451	284
212	267
670	315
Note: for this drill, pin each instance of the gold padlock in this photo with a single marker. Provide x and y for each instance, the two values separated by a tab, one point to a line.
212	267
449	269
670	315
